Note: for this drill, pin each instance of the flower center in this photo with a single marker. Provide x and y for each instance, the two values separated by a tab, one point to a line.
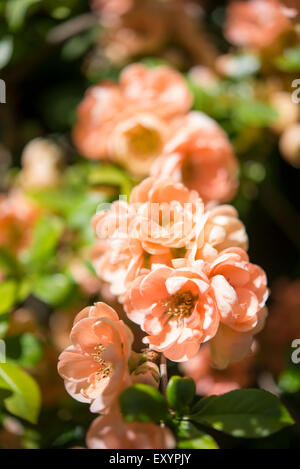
143	140
105	367
180	305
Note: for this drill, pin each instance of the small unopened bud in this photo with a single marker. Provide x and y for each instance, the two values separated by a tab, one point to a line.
146	373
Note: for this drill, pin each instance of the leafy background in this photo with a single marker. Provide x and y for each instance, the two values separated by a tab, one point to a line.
46	77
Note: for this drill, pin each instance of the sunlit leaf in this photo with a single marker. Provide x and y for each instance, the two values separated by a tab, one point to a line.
143	403
8	294
244	413
25	399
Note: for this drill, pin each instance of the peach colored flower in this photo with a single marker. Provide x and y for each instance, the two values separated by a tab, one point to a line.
222	229
287	111
289	145
17	218
87	281
111	432
129	122
95	366
168	214
119	255
176	308
200	155
118	262
257	23
42	164
240	290
139	32
211	381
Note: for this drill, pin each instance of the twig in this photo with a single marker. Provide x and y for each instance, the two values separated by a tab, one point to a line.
163	373
72	27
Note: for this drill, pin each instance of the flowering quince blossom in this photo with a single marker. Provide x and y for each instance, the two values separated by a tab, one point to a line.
168	214
161	215
111	432
129	122
222	229
95	366
117	257
176	308
240	290
200	155
17	218
257	23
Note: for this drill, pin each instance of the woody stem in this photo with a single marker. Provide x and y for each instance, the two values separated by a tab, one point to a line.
163	373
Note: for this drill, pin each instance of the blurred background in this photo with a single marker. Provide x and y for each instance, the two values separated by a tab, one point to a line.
51	51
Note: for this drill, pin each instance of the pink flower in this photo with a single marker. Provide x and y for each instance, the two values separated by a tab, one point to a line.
17	218
168	214
95	366
176	308
240	290
222	230
211	381
200	155
129	122
111	432
257	23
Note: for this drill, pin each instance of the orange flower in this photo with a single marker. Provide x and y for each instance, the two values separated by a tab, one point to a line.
240	290
95	366
257	23
200	155
111	432
168	214
222	230
176	308
17	218
129	122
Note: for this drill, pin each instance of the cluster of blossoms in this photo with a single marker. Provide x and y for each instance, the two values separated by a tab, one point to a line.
173	256
144	124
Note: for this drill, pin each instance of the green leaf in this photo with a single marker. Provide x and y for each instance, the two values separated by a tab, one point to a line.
254	113
189	437
203	441
244	413
289	380
4	324
54	289
46	235
143	403
25	400
180	392
8	263
289	61
110	175
16	11
8	294
6	50
24	350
